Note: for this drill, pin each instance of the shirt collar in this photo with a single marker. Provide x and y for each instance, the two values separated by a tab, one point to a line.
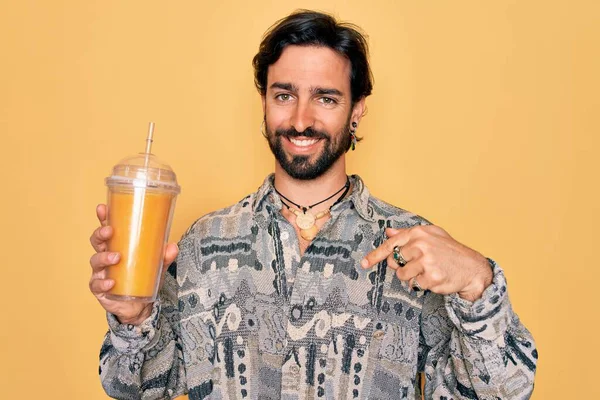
359	197
265	190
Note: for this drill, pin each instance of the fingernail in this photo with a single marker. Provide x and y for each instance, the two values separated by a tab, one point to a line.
108	284
364	263
114	257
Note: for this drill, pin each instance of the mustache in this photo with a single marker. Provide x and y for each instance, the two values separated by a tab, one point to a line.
308	132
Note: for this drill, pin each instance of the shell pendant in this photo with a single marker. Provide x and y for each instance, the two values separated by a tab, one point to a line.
309	234
305	220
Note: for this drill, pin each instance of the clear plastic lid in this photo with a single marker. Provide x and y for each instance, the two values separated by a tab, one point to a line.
144	170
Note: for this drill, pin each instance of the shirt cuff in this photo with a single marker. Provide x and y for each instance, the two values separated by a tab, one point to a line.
487	317
130	339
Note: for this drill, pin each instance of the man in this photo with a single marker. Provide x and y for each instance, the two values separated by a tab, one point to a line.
310	287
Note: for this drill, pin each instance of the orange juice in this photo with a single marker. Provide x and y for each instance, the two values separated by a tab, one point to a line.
141	200
140	219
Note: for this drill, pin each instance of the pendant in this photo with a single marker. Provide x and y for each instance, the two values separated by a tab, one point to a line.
310	233
305	220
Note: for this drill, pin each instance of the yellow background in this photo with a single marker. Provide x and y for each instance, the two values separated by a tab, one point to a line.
484	119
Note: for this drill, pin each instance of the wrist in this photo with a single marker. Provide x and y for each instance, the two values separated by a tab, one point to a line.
136	320
482	278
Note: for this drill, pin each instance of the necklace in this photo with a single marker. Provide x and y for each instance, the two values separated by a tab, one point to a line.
305	220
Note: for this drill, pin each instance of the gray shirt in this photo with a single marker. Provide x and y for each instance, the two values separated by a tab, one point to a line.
242	315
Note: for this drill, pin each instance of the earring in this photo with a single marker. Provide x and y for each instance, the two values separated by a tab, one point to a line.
353	135
262	129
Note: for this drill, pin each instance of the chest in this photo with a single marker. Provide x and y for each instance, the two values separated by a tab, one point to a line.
302	314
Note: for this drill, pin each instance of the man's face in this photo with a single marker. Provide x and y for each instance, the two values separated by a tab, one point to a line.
308	110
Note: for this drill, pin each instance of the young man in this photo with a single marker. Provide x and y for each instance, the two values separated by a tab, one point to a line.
311	287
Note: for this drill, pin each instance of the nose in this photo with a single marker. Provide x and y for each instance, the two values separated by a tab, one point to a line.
302	117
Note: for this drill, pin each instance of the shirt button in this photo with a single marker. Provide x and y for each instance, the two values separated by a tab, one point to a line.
522	339
294	369
378	334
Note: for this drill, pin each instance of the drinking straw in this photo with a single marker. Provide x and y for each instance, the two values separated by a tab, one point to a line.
149	141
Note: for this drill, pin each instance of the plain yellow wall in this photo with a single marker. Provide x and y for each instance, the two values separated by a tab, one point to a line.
484	119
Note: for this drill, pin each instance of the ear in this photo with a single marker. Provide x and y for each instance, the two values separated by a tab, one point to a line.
358	110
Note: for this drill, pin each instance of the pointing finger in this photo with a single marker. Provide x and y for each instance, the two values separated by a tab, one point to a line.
380	253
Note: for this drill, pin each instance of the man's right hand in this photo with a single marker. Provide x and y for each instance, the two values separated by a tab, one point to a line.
127	312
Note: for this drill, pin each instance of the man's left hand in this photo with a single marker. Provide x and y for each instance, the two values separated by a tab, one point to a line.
435	260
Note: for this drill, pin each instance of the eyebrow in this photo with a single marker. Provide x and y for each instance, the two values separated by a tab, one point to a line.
328	91
317	90
285	86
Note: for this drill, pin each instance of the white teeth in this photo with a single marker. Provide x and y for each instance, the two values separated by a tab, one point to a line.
303	143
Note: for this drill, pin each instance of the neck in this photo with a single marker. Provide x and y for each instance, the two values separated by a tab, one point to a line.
307	192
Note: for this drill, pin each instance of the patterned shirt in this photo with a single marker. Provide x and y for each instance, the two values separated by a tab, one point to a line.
242	314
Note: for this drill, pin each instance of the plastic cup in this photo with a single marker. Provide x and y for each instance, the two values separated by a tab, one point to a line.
141	200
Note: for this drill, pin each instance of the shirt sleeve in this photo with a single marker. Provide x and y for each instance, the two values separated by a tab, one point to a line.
146	361
476	350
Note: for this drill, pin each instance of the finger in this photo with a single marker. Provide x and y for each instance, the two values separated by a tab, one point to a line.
101	286
99	261
171	253
389	232
409	271
99	238
435	279
381	253
408	252
418	283
393	263
102	214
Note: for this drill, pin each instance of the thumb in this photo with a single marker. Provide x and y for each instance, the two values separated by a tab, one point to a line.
171	253
391	231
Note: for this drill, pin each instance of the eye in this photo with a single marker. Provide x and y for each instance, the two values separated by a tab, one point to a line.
327	100
283	97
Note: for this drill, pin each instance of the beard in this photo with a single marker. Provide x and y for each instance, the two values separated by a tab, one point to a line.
301	167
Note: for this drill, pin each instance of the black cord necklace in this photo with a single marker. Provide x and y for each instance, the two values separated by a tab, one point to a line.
305	209
305	220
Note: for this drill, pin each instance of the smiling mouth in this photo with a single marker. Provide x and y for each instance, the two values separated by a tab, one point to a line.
303	142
